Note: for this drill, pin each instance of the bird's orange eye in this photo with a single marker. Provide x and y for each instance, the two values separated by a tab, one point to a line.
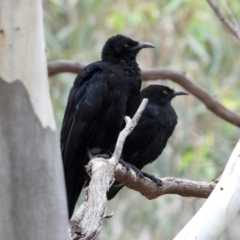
165	92
126	45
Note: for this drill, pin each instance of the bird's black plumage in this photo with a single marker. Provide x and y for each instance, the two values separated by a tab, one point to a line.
152	132
102	94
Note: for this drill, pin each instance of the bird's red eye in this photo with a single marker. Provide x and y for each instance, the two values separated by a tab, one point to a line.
165	92
126	45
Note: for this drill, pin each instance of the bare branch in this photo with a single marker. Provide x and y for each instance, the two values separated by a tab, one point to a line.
211	103
87	222
231	15
232	28
171	185
61	66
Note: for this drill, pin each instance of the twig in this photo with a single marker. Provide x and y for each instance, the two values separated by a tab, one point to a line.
233	29
211	103
230	12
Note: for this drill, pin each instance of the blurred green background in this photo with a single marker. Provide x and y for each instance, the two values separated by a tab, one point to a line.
188	37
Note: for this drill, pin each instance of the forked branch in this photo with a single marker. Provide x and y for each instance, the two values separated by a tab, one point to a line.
87	222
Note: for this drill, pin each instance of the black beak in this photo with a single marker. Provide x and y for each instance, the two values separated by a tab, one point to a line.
177	93
143	45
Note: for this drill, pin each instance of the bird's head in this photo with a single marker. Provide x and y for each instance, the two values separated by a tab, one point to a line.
122	47
161	93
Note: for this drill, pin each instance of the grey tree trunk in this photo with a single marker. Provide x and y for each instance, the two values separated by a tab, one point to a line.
32	193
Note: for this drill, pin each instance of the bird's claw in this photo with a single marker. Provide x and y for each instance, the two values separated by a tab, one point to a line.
125	164
158	181
141	174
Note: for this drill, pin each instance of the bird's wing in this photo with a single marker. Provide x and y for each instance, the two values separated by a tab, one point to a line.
143	134
88	100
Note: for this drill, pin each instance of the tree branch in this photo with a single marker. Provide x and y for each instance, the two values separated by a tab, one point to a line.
211	103
62	66
86	223
171	185
232	28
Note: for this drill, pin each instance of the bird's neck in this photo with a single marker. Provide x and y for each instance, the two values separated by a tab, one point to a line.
119	59
155	100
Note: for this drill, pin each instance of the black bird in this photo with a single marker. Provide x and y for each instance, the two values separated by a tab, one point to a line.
102	94
151	134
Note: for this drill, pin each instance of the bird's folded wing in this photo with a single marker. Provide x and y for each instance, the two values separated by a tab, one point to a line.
88	100
141	137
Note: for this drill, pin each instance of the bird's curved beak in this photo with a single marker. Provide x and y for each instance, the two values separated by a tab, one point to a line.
179	92
143	45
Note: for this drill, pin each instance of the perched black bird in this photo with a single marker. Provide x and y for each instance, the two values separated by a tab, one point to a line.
152	132
102	94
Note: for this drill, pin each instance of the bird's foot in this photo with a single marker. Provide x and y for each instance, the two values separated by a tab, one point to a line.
128	166
141	174
158	181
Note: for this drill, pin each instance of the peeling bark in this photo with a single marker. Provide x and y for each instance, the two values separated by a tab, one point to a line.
32	197
23	53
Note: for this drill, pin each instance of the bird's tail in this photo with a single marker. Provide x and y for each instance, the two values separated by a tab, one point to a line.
74	185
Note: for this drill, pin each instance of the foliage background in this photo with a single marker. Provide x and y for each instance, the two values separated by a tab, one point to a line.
188	37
